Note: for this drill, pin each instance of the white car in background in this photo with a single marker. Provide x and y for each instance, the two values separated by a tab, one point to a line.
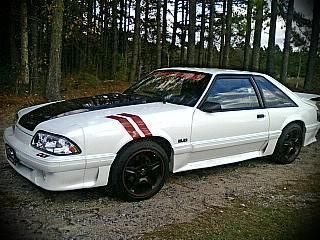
174	119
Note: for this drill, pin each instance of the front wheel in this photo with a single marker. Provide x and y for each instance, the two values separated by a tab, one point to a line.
289	144
139	171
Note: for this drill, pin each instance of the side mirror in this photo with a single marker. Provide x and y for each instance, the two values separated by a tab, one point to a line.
210	107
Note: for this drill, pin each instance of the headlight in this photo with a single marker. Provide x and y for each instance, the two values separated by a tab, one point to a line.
54	144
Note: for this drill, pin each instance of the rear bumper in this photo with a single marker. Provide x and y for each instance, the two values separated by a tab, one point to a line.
56	173
311	132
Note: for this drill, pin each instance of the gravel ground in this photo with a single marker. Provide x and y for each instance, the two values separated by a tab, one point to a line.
28	212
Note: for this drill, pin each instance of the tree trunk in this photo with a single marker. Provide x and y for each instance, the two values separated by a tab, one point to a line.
286	46
191	33
225	59
44	51
312	57
158	43
146	21
246	57
122	17
299	67
175	23
89	27
24	72
257	35
272	38
136	39
222	32
14	61
115	39
174	31
34	48
210	38
105	49
54	76
145	60
127	4
164	50
202	31
184	16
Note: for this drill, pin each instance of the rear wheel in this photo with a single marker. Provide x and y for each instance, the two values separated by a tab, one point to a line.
289	144
139	171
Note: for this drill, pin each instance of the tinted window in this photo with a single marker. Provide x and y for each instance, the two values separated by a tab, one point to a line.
273	96
233	94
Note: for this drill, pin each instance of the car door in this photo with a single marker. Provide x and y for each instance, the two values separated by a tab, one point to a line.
238	130
282	110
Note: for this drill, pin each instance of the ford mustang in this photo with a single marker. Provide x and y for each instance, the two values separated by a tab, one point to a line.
172	120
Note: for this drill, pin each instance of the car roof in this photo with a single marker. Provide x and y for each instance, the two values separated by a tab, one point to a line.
213	71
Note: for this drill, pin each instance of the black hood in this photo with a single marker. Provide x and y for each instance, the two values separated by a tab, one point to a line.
79	105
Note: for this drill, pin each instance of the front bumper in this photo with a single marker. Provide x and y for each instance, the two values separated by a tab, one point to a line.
56	173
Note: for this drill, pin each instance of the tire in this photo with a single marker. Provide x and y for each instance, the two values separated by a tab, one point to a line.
139	171
289	144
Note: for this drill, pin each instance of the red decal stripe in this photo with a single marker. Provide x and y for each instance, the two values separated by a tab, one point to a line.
140	123
127	125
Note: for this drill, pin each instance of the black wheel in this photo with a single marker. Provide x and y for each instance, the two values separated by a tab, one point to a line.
139	171
289	144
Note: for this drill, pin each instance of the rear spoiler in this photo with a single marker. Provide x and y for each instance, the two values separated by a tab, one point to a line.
308	96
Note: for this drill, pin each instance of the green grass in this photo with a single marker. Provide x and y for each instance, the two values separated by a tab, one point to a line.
292	213
253	221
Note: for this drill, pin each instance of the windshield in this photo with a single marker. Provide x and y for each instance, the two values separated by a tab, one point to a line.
178	87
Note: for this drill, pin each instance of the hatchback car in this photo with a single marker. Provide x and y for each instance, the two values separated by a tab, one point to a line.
172	120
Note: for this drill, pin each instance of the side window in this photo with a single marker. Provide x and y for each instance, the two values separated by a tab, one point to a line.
237	93
273	96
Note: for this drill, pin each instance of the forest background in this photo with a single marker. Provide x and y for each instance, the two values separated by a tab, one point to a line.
49	47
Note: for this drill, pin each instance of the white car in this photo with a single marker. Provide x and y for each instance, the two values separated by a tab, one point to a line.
174	119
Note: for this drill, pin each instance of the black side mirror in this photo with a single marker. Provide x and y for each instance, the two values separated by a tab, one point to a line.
210	107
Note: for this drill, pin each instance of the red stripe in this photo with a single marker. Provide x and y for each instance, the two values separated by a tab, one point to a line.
127	125
140	123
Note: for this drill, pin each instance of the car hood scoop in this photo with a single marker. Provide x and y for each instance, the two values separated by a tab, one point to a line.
75	106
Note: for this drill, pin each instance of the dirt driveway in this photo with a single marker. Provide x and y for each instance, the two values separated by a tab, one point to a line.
28	212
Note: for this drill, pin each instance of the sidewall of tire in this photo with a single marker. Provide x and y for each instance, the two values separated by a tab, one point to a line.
277	156
116	176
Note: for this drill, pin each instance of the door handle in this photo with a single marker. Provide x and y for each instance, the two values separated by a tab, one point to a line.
260	116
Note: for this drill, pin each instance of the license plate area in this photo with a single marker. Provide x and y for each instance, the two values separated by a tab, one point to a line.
11	155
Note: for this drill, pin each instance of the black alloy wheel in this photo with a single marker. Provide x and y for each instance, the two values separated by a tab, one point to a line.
139	171
289	144
143	172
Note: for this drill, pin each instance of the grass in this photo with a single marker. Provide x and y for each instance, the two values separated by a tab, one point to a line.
294	215
248	221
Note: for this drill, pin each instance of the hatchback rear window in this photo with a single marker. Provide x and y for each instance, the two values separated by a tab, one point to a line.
272	95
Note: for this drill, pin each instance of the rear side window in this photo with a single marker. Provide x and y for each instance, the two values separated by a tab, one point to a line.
272	95
232	94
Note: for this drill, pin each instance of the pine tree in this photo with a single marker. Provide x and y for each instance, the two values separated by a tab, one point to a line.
54	75
272	38
257	35
286	46
312	57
